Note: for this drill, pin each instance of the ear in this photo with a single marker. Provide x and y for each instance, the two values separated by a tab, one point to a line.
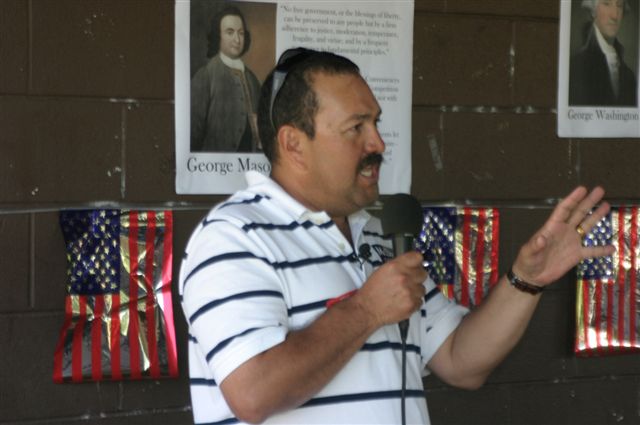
291	146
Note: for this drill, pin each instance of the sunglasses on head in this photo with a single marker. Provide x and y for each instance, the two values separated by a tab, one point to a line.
287	61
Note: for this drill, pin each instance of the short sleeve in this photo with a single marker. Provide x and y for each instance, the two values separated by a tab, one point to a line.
232	298
442	316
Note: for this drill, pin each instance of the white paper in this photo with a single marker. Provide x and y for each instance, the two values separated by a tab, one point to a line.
376	35
575	119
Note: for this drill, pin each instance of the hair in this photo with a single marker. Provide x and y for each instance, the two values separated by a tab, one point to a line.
214	32
590	5
296	102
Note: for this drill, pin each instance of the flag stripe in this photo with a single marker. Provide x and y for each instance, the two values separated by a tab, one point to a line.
585	312
464	275
598	314
152	346
59	352
620	334
620	282
609	288
133	331
78	333
167	264
633	244
96	338
622	254
495	237
114	345
479	294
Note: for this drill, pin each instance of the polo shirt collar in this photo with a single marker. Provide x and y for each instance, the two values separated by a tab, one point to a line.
263	184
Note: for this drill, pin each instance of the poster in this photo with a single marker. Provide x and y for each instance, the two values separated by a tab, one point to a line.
377	36
598	69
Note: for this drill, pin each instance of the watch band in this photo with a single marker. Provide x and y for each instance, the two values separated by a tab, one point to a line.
522	285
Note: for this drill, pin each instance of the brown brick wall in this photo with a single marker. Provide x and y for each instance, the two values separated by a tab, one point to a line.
86	117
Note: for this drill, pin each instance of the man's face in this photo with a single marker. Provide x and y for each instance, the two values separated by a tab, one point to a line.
344	156
231	36
608	17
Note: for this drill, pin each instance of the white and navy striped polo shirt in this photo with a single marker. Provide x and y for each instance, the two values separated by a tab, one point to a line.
261	264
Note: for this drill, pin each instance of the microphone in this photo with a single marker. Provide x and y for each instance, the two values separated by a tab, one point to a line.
364	252
402	219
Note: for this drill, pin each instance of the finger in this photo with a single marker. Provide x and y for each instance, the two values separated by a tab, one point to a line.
420	296
420	275
597	251
585	206
565	207
423	290
592	219
411	259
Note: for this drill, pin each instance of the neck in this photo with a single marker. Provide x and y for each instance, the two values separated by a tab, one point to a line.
343	225
294	185
296	189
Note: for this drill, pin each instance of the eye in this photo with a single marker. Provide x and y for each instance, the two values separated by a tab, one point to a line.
357	128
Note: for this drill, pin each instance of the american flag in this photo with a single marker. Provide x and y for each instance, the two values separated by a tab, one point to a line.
460	248
118	312
606	301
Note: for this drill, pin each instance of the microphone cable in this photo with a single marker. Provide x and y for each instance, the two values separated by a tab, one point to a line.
404	328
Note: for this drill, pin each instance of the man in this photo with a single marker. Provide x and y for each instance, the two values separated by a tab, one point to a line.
288	324
224	92
598	74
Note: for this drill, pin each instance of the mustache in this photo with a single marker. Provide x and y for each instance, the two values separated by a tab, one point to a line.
371	159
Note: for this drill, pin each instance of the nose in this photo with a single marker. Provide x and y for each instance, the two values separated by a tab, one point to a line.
375	142
617	15
615	12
